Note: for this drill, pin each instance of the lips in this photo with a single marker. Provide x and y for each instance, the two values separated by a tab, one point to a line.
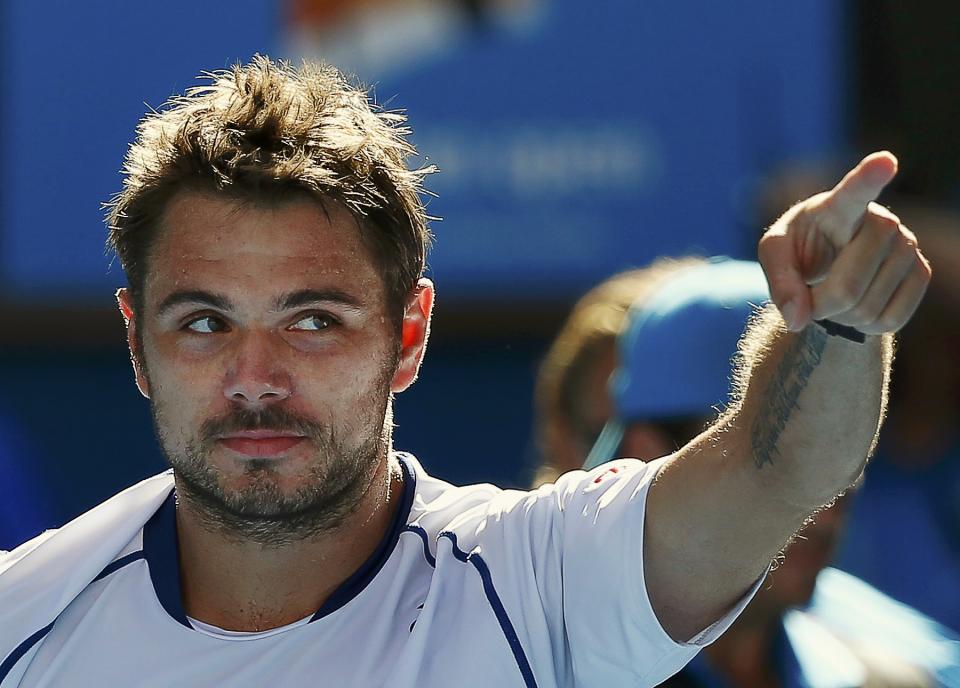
260	443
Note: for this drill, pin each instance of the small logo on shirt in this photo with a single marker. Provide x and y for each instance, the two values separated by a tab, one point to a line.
613	470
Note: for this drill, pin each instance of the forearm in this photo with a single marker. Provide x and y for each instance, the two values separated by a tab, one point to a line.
808	409
808	406
799	431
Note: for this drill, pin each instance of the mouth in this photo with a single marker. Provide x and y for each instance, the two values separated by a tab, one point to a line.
260	443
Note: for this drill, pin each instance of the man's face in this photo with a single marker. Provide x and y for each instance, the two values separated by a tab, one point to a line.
268	355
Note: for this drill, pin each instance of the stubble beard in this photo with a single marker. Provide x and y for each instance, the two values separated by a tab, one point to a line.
336	481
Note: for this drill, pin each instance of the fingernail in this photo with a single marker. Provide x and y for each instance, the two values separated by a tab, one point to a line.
789	313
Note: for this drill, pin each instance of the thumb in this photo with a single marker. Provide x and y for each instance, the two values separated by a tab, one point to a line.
788	289
845	204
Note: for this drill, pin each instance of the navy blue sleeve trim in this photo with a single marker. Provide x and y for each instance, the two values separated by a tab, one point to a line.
426	546
513	640
21	650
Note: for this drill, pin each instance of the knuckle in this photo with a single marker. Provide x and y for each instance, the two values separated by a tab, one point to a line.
910	236
818	202
880	211
884	228
770	247
905	248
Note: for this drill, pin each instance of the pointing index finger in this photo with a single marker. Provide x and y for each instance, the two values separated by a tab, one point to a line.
846	203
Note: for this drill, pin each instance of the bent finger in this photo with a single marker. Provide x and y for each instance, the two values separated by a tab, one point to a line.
857	264
880	292
905	300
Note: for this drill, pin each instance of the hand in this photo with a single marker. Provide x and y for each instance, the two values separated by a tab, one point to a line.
839	255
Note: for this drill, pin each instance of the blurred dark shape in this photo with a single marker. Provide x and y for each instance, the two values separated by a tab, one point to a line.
25	509
907	71
904	530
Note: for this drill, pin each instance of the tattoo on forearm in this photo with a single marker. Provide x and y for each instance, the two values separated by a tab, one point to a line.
783	391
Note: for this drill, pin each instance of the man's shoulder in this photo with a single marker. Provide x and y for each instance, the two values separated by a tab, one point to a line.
437	503
441	508
8	558
98	533
39	579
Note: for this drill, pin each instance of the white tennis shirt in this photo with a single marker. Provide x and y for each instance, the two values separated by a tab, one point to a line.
471	586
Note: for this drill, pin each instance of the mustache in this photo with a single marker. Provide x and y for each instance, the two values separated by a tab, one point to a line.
267	418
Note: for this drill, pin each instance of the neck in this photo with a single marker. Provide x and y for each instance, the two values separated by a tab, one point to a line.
242	585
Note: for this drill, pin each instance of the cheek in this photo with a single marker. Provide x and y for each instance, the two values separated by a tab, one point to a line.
341	381
181	393
181	378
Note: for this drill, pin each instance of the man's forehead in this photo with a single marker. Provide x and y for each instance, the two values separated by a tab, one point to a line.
250	251
219	222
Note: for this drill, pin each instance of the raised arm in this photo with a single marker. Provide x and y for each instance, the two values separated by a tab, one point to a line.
809	407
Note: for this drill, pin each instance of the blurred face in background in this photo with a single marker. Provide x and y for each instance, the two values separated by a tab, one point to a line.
268	354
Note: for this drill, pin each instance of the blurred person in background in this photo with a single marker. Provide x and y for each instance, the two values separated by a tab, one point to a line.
641	378
903	534
571	398
903	529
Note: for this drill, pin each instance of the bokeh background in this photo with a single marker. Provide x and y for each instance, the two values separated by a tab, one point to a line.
575	139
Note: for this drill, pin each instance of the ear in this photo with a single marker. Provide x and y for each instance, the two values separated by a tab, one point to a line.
414	334
125	303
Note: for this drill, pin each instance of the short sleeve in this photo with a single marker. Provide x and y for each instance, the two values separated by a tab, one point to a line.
565	561
611	627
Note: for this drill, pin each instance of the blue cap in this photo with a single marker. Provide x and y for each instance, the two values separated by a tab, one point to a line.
676	346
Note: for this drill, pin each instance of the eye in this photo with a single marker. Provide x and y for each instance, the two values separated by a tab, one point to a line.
314	322
206	324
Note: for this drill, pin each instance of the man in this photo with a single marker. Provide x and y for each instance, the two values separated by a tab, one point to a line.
273	240
668	372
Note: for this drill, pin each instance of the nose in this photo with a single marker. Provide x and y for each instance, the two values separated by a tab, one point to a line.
256	376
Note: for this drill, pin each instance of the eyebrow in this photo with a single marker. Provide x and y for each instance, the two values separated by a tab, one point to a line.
306	297
194	297
287	301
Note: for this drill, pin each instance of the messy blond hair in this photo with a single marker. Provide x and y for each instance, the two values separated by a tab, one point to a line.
593	325
267	131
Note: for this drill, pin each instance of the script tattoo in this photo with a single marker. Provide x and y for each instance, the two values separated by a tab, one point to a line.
781	396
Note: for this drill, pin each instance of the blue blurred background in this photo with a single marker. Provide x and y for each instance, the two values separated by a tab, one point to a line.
574	139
